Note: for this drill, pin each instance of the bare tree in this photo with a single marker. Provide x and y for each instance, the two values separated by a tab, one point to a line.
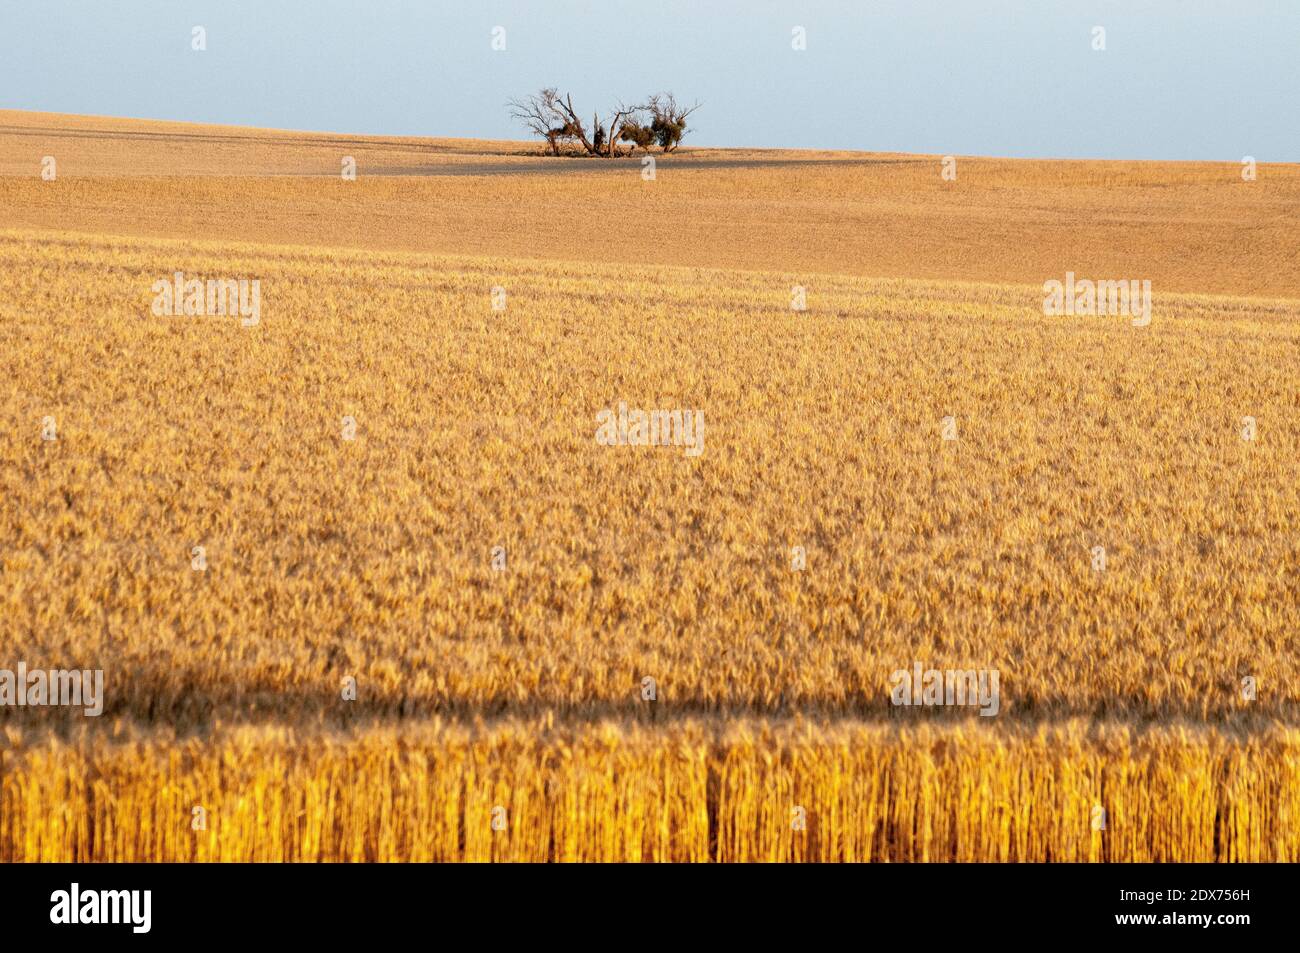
537	114
553	117
548	116
668	119
568	116
618	123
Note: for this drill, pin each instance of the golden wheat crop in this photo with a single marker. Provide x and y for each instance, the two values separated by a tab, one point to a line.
695	792
517	685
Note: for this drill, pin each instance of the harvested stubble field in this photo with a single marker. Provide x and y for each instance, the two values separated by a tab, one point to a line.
477	689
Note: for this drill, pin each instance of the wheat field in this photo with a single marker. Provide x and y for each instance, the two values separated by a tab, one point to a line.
398	487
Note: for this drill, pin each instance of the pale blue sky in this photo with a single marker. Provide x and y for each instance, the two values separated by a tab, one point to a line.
1180	79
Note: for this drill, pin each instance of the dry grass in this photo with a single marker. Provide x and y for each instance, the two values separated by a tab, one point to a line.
1191	227
370	558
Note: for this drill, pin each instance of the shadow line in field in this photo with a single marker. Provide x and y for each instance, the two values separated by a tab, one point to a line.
201	712
553	166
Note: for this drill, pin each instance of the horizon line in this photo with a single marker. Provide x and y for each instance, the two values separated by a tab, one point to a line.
684	147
